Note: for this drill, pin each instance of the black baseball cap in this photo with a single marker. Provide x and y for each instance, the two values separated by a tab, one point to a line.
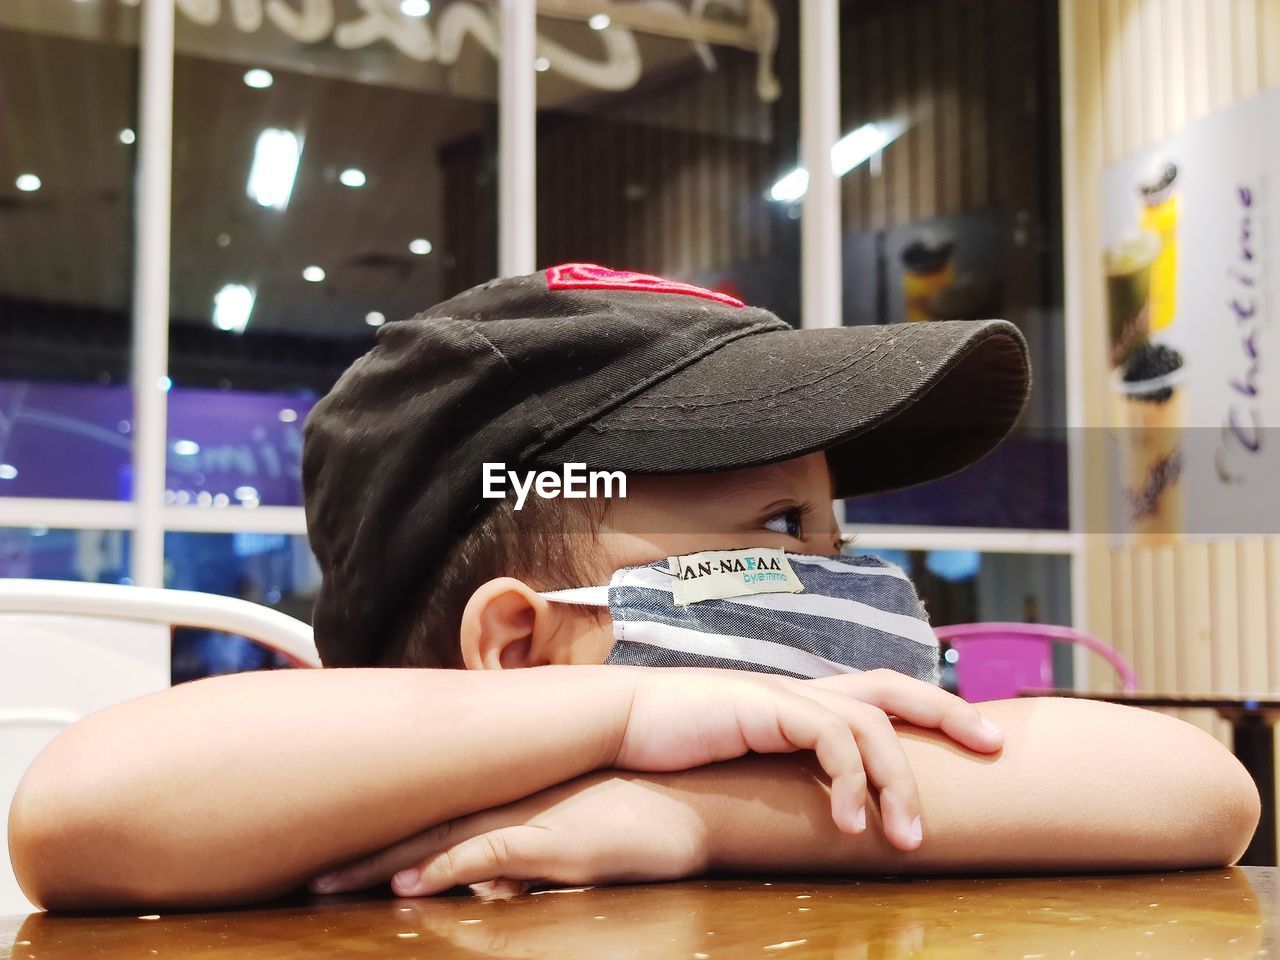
619	371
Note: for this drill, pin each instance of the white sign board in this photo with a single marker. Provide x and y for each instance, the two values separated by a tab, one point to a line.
1189	231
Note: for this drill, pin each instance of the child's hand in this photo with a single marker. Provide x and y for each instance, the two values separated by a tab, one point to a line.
605	827
682	718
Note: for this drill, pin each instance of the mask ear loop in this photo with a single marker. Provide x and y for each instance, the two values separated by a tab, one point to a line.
584	596
597	596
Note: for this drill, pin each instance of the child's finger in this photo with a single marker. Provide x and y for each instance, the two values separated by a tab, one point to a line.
920	704
807	725
511	853
377	867
381	866
886	765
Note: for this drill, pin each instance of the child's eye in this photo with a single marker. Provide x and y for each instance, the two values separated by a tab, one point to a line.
789	521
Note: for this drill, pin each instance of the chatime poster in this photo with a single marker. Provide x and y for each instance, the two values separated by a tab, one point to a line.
1192	280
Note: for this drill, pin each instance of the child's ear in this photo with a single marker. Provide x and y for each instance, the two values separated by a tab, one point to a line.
505	625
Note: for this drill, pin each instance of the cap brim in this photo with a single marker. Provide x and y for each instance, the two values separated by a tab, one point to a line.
893	405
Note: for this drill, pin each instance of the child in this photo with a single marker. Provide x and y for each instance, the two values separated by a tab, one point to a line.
734	432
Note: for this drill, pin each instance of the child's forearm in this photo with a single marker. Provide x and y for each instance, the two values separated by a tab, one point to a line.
245	786
1079	785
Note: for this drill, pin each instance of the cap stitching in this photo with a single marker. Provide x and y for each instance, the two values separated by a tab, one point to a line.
837	366
831	383
822	374
554	436
817	387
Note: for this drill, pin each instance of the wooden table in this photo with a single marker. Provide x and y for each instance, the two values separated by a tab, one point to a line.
1253	741
1223	914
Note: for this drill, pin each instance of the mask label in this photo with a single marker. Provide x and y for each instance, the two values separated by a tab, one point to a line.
721	574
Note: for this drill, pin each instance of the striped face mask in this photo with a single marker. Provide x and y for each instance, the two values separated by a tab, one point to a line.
766	610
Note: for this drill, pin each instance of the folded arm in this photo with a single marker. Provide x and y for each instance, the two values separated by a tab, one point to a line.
240	788
1078	786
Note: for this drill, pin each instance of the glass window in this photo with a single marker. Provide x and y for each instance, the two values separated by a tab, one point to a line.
69	72
267	568
333	169
95	556
658	154
951	207
965	586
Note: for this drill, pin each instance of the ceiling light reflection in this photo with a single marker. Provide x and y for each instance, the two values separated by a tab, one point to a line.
232	306
258	78
275	166
849	151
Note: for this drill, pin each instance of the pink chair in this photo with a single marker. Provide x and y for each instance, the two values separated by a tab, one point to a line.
996	661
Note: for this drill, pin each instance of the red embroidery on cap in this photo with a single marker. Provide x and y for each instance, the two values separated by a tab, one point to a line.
590	276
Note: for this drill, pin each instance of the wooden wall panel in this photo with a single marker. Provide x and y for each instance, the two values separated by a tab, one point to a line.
1224	607
1195	623
975	109
951	68
1135	93
902	102
1173	21
1251	590
926	38
1122	633
1145	645
1151	31
1272	587
878	106
1221	59
1113	110
1244	48
1195	55
1193	633
1269	42
949	103
1164	596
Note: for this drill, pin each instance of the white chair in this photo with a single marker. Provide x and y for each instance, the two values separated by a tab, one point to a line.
68	649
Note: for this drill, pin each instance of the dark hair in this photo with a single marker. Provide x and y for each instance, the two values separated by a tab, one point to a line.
550	543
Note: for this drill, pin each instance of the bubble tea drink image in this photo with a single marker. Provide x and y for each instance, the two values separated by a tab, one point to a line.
1160	201
1128	265
1152	407
928	268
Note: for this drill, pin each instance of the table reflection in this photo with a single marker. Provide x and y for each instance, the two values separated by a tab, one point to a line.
1212	913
